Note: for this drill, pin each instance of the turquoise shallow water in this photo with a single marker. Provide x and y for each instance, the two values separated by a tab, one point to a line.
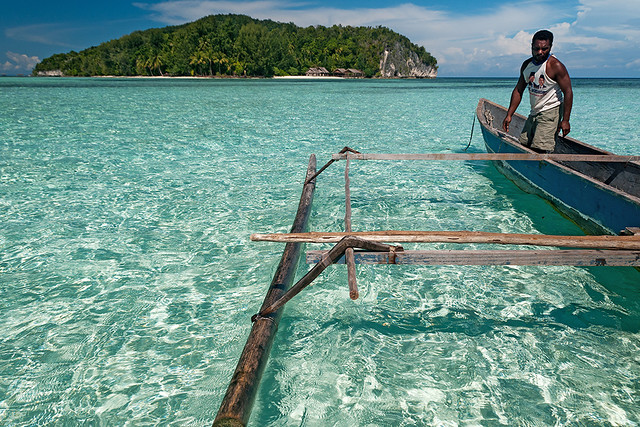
127	278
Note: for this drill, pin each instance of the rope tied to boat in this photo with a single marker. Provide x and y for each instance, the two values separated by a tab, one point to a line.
471	136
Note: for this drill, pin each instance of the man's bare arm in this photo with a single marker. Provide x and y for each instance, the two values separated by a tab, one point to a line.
516	97
559	73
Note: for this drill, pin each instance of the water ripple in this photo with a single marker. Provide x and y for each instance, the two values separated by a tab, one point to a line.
128	279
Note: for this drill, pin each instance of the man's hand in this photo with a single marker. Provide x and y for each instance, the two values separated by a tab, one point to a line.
506	122
565	127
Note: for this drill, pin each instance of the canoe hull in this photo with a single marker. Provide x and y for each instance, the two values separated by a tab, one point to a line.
592	204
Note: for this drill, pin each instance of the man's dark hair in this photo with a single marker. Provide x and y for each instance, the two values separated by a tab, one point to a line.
543	35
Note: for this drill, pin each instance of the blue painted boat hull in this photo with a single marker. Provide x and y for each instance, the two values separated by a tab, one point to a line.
583	194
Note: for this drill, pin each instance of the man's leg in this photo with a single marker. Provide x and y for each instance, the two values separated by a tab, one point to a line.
526	136
546	128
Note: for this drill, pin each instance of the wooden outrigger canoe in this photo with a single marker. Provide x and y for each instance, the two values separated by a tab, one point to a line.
599	196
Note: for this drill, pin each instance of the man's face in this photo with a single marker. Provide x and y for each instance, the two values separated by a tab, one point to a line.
540	50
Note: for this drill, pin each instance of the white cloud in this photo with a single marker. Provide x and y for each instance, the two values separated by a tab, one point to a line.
180	11
55	34
634	64
19	62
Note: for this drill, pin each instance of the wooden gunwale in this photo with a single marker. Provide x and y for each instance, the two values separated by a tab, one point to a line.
237	403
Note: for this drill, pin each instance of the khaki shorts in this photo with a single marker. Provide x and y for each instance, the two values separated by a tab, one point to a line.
539	132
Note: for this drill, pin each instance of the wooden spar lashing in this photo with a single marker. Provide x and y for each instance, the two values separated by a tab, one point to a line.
237	403
327	259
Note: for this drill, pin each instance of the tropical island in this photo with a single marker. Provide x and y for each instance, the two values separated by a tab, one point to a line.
240	46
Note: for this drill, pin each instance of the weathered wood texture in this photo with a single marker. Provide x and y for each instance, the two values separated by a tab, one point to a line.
238	401
593	242
582	258
489	156
351	263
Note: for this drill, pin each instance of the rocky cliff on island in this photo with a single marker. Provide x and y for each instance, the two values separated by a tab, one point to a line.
240	46
400	62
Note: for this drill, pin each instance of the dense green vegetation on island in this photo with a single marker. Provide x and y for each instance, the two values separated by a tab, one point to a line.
234	45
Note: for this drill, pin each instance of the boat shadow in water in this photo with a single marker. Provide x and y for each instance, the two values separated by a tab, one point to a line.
473	323
622	283
544	217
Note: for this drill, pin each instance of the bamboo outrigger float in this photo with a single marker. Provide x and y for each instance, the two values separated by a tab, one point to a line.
238	401
373	247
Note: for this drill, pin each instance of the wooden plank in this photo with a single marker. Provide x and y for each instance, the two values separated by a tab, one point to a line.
237	403
583	258
594	242
490	156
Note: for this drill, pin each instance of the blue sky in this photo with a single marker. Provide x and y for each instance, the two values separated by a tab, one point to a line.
594	38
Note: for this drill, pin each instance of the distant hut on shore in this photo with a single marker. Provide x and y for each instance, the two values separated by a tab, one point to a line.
348	73
339	72
318	72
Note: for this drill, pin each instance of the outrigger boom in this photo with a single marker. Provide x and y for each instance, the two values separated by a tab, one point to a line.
488	156
631	242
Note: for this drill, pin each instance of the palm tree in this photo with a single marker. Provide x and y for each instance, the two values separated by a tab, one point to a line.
141	64
197	59
223	60
158	62
219	58
149	64
153	61
206	54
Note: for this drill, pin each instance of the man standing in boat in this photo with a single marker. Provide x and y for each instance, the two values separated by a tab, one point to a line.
550	94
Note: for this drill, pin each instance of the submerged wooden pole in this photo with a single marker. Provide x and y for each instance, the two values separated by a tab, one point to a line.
238	401
348	255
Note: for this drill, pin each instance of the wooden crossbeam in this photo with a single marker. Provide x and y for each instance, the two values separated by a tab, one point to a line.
489	156
582	258
631	242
